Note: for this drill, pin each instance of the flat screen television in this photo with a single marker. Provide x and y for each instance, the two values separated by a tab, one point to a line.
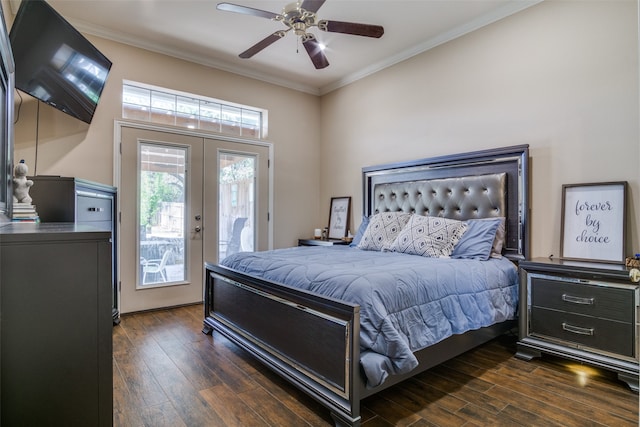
55	63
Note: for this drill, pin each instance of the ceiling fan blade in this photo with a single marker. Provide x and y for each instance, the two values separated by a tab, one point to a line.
351	28
230	7
315	53
267	41
312	5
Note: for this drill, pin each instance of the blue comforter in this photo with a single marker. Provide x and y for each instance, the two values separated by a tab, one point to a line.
407	302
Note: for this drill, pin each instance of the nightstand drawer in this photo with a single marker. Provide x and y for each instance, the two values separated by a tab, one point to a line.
606	302
600	334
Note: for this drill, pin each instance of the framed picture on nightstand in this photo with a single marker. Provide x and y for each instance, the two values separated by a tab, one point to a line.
339	217
594	222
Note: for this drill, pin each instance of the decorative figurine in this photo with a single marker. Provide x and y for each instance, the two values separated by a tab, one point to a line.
21	184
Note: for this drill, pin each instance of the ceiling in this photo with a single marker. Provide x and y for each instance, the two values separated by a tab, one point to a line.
196	31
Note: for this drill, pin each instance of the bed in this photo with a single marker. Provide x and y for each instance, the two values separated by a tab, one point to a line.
341	343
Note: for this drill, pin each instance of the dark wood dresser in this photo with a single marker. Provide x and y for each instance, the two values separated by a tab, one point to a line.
56	325
584	311
66	199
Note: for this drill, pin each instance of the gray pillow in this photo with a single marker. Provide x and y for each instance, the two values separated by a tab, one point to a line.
363	227
478	240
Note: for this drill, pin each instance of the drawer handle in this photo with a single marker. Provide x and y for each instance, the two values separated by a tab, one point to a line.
577	329
578	300
95	209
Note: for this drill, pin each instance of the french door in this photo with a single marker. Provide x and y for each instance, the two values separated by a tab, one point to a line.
235	198
185	199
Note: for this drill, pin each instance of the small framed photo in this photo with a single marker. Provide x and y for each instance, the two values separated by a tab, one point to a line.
339	217
594	222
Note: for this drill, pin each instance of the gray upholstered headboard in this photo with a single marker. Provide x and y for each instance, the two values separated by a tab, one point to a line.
481	184
463	198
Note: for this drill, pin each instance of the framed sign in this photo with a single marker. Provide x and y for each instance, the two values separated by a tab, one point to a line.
339	217
594	222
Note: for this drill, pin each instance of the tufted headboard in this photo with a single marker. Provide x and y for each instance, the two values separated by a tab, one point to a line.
482	184
463	198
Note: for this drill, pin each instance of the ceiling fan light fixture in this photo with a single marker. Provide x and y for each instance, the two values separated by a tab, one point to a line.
300	16
300	28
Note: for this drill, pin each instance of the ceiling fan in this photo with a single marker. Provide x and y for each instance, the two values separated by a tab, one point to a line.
300	17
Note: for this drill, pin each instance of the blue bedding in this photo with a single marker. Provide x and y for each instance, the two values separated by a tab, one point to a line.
407	302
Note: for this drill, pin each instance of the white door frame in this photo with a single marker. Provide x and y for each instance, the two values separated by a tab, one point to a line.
117	156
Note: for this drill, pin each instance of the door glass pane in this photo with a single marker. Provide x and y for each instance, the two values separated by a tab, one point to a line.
236	203
161	203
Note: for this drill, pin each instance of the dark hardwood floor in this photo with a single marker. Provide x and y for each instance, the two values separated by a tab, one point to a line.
167	373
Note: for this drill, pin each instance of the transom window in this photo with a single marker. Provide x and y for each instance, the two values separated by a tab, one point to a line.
159	105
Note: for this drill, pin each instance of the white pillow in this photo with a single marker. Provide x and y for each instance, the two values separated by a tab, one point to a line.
382	230
429	236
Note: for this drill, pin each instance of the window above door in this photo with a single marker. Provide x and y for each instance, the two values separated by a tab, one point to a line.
169	107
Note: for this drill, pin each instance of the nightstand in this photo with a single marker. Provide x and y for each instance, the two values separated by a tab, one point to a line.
583	311
320	242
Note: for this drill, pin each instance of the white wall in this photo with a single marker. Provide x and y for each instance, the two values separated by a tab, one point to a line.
561	76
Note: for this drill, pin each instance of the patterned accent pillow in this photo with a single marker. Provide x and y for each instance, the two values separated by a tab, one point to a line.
382	230
429	236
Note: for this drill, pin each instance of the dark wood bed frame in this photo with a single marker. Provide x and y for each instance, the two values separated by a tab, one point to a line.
313	341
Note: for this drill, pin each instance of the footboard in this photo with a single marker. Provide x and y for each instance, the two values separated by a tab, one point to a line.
310	340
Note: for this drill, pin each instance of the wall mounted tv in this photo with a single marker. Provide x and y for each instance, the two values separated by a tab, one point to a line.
55	63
